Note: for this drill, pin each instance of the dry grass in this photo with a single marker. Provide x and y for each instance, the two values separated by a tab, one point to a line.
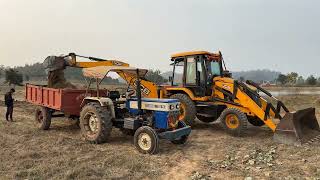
61	153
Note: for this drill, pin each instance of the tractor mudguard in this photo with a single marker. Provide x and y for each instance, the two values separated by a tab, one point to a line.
298	127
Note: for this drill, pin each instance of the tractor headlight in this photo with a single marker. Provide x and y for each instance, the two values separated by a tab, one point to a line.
171	107
178	106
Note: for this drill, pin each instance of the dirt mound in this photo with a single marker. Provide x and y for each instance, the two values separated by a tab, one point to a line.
56	79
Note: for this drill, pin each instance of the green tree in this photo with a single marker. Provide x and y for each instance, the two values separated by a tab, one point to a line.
311	80
26	77
155	76
300	80
292	78
13	77
282	79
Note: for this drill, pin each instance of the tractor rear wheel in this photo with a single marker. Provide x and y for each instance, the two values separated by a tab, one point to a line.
43	117
146	140
187	108
255	121
95	123
234	121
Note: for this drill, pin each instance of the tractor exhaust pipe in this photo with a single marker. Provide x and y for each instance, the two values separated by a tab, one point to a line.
297	128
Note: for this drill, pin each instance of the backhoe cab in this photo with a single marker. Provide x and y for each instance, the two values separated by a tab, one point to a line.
192	82
207	91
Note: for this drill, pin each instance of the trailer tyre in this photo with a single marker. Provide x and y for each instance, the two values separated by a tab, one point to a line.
43	117
146	140
95	123
182	139
255	121
234	121
187	108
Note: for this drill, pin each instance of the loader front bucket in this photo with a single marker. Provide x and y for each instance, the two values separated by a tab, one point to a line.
298	127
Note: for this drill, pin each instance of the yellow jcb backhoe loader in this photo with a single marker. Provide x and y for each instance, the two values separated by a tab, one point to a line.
206	91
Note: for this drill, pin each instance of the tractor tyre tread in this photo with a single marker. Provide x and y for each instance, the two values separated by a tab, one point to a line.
105	120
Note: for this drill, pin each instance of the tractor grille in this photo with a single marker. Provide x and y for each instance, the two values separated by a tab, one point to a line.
173	119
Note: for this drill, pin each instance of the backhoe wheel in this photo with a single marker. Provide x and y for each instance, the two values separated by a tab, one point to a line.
43	117
187	108
95	123
234	121
206	119
182	139
146	140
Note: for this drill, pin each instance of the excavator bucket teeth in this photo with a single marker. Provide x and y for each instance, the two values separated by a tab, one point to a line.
298	127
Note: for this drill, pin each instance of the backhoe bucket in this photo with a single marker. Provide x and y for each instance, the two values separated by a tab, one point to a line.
298	127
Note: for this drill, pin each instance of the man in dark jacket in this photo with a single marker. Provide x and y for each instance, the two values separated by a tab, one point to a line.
9	103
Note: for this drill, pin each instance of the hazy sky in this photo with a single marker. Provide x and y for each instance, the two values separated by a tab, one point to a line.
281	35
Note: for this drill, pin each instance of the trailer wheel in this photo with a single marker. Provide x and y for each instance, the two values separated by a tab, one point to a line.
146	140
43	117
182	139
95	123
187	108
255	121
234	121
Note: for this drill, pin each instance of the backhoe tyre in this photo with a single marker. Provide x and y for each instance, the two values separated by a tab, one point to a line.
234	121
206	119
146	140
187	108
95	123
182	139
43	117
255	121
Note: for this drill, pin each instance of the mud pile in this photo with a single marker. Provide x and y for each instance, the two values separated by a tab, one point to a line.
56	79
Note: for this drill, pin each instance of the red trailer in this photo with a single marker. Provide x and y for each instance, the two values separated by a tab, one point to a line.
50	100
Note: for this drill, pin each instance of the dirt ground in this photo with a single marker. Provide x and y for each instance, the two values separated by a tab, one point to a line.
210	153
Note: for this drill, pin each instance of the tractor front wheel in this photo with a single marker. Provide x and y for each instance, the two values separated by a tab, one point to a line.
187	108
95	123
43	117
146	140
234	121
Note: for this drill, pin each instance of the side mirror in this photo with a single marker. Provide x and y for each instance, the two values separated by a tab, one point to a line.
226	73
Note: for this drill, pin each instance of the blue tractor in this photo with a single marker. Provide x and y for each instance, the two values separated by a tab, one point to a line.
147	119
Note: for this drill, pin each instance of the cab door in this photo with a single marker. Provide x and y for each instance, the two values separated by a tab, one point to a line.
195	78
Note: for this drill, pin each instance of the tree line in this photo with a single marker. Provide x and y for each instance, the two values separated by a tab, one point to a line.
36	72
294	79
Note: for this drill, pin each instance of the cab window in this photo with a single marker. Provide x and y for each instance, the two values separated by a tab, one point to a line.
214	68
191	71
178	73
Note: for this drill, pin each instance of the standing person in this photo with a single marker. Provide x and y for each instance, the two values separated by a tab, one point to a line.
9	103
